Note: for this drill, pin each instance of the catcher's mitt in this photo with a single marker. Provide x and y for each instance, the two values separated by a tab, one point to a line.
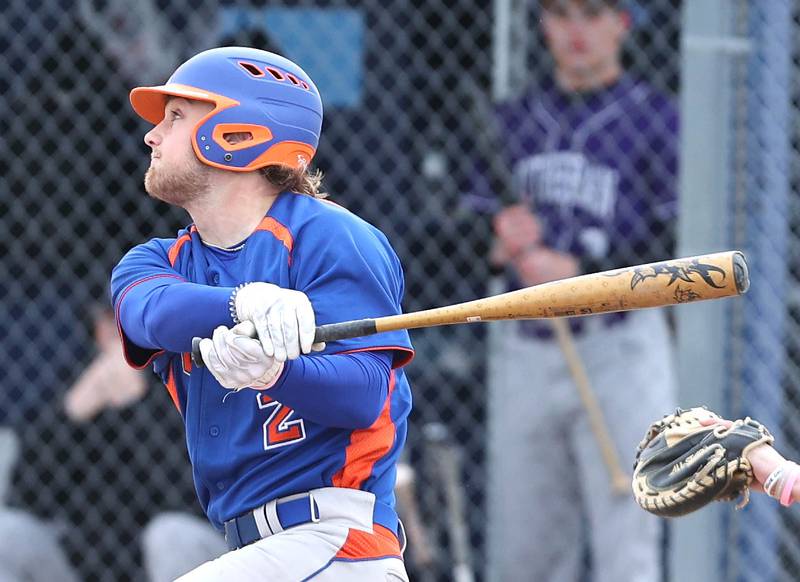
682	465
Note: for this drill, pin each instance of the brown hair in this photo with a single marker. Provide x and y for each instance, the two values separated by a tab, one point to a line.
300	180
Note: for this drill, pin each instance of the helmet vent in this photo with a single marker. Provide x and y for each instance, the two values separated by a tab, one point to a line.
283	76
296	81
275	73
252	69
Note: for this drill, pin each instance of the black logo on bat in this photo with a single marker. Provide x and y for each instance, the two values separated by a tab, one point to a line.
685	295
678	271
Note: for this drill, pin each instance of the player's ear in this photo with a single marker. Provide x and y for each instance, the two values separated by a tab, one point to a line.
622	27
625	21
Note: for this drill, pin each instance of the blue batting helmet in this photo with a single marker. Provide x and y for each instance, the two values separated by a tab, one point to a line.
252	91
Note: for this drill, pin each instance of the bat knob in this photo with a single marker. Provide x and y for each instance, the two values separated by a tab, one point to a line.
197	357
741	274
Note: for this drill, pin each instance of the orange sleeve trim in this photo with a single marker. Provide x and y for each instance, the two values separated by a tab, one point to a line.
403	356
362	545
172	387
367	446
279	231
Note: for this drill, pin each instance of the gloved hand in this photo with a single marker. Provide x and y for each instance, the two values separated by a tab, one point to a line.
237	360
283	319
684	463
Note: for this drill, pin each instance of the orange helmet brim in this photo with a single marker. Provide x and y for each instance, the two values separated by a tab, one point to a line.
149	102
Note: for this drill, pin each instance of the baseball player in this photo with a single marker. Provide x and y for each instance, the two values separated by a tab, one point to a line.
593	154
293	444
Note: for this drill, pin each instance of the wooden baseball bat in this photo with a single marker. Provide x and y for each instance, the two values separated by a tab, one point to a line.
673	282
620	481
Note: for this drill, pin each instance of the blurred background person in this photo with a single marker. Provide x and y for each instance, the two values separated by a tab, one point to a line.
31	550
594	161
173	540
75	171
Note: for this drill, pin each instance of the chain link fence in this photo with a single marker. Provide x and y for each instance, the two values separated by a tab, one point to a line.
400	80
764	542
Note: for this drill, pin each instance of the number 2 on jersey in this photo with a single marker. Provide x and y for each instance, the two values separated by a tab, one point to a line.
280	429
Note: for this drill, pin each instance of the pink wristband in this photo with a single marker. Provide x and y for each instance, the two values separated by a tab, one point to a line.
774	480
786	494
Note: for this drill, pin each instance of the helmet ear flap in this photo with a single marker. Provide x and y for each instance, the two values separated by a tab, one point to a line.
224	141
260	149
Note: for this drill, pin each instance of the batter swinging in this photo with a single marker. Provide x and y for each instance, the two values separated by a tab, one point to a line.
293	446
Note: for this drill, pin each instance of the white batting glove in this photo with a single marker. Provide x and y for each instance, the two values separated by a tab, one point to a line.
237	360
283	319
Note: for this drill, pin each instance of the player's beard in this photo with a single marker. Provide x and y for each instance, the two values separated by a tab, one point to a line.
177	184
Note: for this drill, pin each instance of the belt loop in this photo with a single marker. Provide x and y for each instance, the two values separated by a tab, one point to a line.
261	521
401	536
271	513
313	508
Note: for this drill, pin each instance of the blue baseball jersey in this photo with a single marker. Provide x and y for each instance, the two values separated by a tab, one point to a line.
249	447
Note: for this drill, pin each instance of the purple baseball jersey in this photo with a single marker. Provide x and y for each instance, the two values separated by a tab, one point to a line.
250	447
598	168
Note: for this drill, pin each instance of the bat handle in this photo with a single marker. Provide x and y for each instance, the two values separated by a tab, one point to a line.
338	331
197	357
324	333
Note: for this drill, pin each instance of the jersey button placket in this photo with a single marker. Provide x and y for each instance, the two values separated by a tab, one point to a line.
214	431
